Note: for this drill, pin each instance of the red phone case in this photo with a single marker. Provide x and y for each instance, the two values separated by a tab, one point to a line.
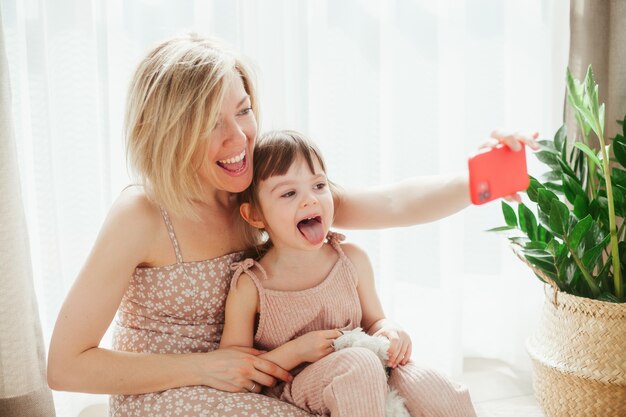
497	172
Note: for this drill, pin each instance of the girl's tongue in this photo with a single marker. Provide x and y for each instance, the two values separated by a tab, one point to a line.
312	230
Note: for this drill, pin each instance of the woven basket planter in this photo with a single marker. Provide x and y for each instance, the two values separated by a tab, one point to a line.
579	357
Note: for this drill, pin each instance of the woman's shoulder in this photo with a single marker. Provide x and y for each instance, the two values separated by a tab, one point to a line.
133	211
133	200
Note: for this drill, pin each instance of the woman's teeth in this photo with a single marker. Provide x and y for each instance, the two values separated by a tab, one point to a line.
233	159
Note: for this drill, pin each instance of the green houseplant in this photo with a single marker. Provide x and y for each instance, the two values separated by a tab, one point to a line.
576	244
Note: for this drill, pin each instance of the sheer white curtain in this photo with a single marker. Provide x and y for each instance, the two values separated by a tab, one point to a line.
389	89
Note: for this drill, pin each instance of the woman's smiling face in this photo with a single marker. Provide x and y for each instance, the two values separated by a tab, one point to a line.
227	159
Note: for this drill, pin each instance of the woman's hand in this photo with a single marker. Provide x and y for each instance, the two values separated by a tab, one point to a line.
239	369
313	346
399	351
513	141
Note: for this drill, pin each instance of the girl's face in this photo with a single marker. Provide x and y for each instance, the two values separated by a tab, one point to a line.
227	160
297	208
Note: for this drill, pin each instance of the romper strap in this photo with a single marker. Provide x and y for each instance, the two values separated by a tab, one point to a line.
335	239
170	232
246	266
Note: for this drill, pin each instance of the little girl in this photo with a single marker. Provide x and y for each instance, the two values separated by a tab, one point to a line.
306	286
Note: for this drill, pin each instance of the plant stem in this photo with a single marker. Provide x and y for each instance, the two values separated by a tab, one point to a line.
617	276
595	290
591	166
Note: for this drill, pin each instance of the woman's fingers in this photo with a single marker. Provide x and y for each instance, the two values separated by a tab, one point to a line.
514	198
513	140
261	379
272	370
489	143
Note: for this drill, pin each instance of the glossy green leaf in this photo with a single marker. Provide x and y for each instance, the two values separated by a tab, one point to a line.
542	263
589	152
509	215
548	158
601	113
581	206
566	168
548	146
531	191
560	138
552	247
543	234
579	231
544	199
538	253
559	217
535	245
518	240
553	175
591	256
527	221
591	91
618	177
500	229
557	188
619	149
572	189
619	200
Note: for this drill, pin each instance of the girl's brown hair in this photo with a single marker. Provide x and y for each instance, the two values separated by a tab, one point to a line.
274	153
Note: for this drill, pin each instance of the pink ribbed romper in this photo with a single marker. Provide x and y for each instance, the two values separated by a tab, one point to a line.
350	382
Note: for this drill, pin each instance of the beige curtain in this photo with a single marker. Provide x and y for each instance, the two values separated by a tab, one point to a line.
598	37
23	388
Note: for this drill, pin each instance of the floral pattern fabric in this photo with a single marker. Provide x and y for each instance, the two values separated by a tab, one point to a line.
180	309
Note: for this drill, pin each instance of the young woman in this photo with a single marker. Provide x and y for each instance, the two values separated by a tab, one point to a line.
306	285
162	255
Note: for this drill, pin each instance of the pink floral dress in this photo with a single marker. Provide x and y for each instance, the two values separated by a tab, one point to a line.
180	309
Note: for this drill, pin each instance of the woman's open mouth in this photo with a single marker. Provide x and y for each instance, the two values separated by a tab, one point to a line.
235	165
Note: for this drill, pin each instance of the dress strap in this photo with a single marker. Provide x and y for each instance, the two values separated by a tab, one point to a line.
170	232
335	239
246	266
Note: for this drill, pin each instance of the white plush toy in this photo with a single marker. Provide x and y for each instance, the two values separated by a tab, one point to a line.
394	403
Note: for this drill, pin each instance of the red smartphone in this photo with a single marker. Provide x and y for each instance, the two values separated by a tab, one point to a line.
497	172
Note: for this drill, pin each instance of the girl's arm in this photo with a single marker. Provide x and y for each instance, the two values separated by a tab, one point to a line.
374	321
242	305
416	200
75	360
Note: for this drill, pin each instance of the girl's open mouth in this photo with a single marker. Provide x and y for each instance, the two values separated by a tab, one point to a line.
312	229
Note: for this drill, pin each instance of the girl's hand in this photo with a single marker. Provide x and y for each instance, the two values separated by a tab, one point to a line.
313	346
399	351
238	369
513	141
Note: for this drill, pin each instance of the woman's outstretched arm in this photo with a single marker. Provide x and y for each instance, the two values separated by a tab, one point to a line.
412	201
416	200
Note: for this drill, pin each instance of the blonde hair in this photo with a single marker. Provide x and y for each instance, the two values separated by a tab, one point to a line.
173	104
274	153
